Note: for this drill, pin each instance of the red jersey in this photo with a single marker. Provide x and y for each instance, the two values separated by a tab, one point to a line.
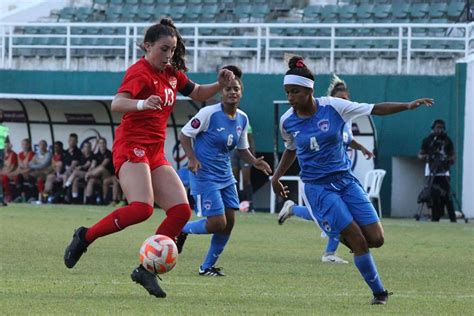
142	81
11	158
25	158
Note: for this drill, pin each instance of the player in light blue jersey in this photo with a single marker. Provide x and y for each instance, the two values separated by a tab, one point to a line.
337	89
216	131
312	132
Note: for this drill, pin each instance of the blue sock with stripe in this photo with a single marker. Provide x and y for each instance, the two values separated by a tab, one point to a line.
368	269
196	227
302	211
332	245
218	242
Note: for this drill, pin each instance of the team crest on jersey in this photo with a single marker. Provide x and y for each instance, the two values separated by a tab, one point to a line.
195	123
139	152
323	125
173	82
239	130
207	205
326	226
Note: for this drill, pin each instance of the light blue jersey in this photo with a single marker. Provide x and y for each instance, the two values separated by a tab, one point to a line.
318	140
215	135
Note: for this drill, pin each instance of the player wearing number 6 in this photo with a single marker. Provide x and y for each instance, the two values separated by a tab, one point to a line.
216	130
147	96
312	131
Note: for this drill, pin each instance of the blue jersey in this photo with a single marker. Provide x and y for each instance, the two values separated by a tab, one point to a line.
215	135
318	140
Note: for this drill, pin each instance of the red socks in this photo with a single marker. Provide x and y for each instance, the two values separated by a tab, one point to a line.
176	218
131	214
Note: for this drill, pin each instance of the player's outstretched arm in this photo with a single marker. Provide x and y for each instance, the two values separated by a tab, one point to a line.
193	163
123	103
358	146
388	108
204	92
258	163
286	161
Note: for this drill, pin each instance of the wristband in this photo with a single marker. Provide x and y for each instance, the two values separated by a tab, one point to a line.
140	105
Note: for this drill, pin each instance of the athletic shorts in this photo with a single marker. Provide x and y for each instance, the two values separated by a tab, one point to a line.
151	154
336	201
214	203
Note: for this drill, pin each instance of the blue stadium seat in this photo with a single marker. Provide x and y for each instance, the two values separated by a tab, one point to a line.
455	9
312	13
347	13
438	10
83	14
419	11
329	12
67	14
382	13
365	13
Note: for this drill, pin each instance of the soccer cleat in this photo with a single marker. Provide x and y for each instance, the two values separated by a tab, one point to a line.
333	259
148	280
76	248
180	241
286	211
212	271
380	298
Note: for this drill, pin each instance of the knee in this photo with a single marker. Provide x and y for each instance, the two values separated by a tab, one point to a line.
143	210
357	242
217	225
377	242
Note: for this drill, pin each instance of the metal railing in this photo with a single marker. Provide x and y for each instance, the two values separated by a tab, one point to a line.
260	41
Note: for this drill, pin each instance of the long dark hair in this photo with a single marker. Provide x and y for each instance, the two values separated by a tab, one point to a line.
166	27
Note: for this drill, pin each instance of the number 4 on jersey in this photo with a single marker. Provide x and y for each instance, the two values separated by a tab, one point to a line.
313	143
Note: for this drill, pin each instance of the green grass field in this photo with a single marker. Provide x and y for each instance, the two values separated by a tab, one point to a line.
270	269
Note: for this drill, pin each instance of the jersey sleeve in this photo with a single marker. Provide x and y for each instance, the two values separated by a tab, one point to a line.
185	85
348	109
199	123
288	138
244	140
134	84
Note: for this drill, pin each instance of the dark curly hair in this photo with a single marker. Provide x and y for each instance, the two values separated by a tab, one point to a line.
237	73
166	27
298	67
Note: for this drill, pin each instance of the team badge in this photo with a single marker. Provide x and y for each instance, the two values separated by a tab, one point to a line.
326	226
139	152
239	130
323	125
173	82
207	205
195	123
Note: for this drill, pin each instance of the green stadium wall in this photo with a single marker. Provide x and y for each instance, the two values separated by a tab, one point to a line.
398	135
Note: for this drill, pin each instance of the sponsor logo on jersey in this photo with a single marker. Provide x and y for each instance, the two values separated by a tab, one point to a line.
207	205
220	129
326	226
239	130
173	82
296	133
138	152
155	82
195	123
323	125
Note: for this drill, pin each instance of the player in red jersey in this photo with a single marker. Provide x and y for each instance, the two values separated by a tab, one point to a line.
147	96
24	157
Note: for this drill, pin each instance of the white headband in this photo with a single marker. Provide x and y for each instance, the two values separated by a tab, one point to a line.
299	81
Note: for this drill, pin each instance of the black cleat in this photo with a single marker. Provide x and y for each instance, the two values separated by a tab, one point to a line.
148	280
380	298
180	241
76	247
212	271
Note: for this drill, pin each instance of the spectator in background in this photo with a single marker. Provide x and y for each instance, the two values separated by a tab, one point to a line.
24	158
79	173
102	167
56	175
39	167
9	167
3	138
437	151
246	196
71	156
117	196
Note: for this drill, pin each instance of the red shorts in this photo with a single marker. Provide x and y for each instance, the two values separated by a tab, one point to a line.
151	154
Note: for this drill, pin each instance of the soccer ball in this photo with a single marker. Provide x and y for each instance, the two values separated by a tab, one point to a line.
158	254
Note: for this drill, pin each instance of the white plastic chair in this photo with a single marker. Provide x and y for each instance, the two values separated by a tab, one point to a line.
373	184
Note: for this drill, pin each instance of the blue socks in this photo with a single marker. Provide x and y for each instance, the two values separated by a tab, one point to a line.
196	227
368	269
218	243
302	211
332	245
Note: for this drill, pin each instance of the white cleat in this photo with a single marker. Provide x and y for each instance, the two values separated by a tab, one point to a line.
286	211
333	259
